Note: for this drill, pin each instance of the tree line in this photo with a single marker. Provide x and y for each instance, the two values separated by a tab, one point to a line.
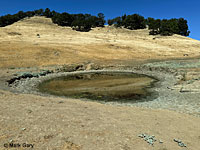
79	22
84	22
168	27
165	27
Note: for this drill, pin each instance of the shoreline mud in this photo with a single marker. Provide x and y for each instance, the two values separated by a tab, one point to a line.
168	97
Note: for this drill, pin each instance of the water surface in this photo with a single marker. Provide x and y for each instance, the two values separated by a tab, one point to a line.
120	87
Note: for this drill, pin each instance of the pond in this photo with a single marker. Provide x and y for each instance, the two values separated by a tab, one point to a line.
104	87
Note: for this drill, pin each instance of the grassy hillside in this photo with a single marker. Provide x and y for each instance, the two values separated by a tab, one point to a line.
37	41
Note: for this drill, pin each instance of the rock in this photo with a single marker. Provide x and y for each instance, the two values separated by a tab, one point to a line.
24	75
23	129
10	141
35	75
180	143
168	87
141	135
150	139
160	141
176	140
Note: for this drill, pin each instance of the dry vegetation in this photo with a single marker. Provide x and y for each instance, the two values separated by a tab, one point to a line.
38	42
60	123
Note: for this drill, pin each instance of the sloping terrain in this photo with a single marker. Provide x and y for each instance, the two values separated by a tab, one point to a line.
37	41
58	123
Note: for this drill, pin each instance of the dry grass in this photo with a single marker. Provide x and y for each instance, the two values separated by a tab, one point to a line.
75	124
20	45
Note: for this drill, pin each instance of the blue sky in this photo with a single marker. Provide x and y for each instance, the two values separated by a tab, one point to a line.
188	9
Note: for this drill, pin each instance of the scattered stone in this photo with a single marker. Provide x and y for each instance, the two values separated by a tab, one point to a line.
24	75
169	88
23	129
141	135
180	143
160	141
10	141
150	139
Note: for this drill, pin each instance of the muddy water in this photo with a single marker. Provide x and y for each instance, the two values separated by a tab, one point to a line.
120	87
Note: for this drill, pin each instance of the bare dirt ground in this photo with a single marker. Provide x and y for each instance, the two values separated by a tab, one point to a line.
60	123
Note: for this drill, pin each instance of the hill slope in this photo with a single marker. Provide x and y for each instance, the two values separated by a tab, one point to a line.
59	123
37	41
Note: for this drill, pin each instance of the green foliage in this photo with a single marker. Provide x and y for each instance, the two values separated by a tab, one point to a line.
100	20
134	22
124	18
48	13
165	28
117	22
63	19
168	27
20	15
79	22
30	13
84	22
154	26
39	12
174	26
110	22
183	27
10	19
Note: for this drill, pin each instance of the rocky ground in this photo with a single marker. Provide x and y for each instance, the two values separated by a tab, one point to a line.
176	91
